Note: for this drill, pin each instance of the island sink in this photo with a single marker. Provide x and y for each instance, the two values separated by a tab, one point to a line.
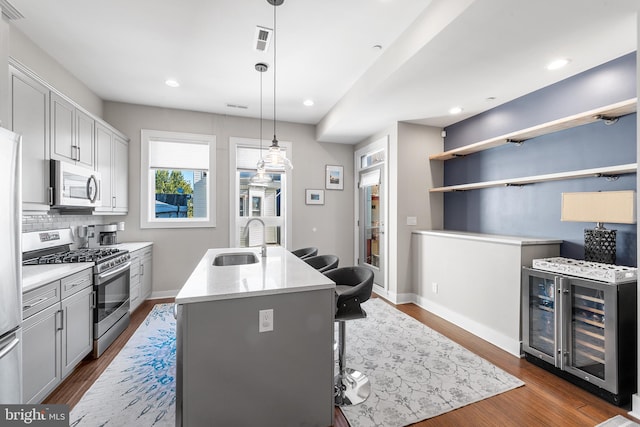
237	258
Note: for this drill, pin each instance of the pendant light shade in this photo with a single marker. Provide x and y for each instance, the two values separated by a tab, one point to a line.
276	158
260	179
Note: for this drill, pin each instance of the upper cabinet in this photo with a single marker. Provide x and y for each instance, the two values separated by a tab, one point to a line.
29	117
72	133
53	127
112	161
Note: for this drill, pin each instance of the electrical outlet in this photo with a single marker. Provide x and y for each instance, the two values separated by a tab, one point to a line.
265	321
434	287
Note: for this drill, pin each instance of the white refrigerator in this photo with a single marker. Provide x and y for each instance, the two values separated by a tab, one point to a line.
10	268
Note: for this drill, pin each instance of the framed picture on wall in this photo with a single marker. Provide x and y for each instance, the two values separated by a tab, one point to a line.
334	177
314	197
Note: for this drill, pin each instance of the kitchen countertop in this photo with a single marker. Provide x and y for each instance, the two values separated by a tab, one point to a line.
495	238
34	276
281	272
133	246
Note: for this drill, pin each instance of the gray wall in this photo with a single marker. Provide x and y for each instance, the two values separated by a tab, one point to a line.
410	177
25	51
177	251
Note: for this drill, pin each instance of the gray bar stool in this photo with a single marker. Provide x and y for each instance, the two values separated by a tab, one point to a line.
353	287
305	252
322	263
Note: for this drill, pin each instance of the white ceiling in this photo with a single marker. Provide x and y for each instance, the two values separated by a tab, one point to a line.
435	54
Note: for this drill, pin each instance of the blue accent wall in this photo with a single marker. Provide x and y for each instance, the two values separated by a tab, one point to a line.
534	210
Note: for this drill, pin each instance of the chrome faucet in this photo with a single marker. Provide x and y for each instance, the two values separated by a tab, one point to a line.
263	248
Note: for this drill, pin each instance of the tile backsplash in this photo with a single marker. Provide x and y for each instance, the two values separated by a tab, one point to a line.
54	220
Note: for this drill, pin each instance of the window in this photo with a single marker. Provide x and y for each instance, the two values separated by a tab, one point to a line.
177	180
269	201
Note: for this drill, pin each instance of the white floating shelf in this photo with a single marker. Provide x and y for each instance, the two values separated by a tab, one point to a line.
610	111
583	173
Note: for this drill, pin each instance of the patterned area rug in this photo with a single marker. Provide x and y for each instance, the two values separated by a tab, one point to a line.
415	374
618	421
138	387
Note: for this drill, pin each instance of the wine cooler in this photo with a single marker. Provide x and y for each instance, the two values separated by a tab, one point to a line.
583	330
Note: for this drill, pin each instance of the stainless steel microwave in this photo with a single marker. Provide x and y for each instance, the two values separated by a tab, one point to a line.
74	186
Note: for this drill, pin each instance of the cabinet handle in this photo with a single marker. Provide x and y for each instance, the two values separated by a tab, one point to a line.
31	305
93	299
175	311
61	320
142	269
50	195
113	202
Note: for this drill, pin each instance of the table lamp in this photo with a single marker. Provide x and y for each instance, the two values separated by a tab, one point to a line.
600	207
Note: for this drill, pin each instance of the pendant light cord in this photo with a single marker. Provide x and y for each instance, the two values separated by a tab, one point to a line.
275	140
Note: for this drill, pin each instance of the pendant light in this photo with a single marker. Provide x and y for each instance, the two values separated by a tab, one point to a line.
276	157
260	179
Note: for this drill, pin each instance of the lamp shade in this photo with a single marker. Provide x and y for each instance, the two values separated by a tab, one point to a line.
617	207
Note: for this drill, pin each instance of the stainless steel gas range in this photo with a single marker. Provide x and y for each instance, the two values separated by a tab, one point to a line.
110	278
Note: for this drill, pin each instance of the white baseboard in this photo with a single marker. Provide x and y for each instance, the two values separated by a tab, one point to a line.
490	335
392	296
164	294
635	406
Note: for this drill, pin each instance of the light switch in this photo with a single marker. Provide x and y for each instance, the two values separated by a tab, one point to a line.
412	220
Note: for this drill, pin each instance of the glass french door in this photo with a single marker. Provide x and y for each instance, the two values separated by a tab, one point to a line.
372	222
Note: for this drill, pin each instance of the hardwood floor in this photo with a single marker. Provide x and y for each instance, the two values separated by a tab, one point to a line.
545	400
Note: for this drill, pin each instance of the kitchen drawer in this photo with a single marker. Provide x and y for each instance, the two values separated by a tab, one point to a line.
146	252
40	298
76	282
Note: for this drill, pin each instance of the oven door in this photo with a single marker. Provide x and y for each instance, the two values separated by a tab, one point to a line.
112	298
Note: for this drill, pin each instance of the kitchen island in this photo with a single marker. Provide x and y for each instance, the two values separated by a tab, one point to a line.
255	343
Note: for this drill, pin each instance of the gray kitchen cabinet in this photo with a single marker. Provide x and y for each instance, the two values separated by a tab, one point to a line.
41	367
120	171
112	161
72	132
29	117
146	272
77	328
134	281
57	332
140	276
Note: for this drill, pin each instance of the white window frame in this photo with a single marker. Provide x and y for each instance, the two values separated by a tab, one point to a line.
235	222
147	180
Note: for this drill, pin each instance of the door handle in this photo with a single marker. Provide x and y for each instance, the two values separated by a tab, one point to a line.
9	347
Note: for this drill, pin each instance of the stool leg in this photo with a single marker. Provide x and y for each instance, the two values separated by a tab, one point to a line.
351	387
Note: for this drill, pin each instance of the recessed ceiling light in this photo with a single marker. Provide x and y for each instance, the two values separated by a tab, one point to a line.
172	83
377	47
455	110
308	102
557	64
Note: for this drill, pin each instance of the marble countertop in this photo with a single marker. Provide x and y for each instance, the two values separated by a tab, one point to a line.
34	276
495	238
280	272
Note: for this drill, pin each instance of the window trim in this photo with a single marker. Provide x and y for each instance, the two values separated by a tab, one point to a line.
234	190
147	135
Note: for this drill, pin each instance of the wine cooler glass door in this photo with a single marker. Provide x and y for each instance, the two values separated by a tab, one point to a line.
540	315
591	341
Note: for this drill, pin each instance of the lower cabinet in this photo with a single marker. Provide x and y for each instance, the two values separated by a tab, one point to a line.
140	277
57	333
